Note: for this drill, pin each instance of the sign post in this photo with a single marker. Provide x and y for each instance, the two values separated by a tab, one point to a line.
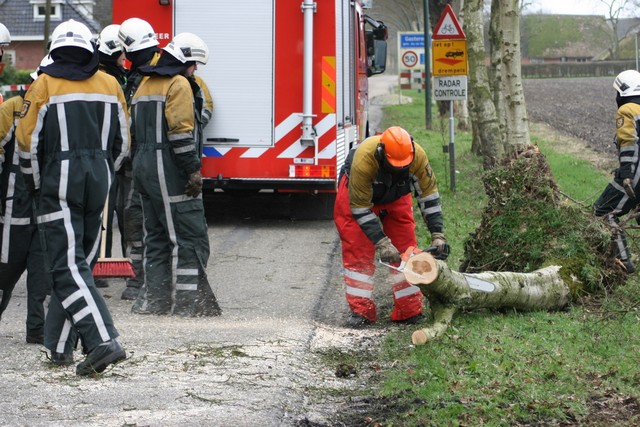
449	65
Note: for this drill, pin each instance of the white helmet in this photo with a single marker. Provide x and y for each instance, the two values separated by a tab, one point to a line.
627	83
136	34
109	43
72	33
45	61
188	47
5	35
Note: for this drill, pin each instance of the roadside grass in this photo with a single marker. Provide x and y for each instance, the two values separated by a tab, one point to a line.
576	367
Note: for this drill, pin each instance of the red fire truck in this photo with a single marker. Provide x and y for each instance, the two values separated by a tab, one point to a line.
288	81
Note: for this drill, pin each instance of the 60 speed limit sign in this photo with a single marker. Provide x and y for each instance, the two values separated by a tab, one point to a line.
410	59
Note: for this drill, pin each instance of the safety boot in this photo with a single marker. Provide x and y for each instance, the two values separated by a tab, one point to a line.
100	357
130	293
357	321
61	359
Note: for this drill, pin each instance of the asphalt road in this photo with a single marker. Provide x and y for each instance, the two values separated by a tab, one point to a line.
259	364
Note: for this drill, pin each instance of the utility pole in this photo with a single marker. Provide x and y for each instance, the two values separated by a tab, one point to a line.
427	68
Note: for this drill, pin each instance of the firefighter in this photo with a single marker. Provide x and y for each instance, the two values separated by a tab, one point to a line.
138	40
619	196
166	172
5	39
72	136
111	54
373	213
112	62
20	247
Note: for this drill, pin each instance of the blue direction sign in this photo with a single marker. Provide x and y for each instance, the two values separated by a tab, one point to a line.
408	41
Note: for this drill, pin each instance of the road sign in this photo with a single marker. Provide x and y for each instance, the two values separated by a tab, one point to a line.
409	40
410	59
411	50
450	88
449	57
448	26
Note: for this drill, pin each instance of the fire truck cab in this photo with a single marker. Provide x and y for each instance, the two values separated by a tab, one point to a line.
288	80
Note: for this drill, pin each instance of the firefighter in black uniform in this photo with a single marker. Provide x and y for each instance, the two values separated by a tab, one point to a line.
20	247
621	194
138	40
72	136
166	172
112	63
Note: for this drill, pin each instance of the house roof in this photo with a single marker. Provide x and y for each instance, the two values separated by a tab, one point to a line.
18	17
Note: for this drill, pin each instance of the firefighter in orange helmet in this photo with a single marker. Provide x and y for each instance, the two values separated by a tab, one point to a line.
374	213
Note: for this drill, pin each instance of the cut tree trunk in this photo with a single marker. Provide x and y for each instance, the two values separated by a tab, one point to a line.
451	291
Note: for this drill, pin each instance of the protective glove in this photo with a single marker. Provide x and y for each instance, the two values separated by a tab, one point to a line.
627	184
387	252
194	186
439	246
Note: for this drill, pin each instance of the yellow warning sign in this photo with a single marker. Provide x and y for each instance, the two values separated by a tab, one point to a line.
449	58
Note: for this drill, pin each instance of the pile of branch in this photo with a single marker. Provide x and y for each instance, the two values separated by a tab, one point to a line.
533	250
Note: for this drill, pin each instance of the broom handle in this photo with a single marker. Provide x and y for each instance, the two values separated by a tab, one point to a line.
103	234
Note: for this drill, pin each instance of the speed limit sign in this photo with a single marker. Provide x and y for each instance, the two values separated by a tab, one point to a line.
409	59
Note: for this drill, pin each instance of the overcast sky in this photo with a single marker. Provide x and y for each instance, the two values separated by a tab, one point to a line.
570	7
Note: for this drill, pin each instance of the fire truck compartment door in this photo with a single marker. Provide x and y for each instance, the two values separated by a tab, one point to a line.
239	72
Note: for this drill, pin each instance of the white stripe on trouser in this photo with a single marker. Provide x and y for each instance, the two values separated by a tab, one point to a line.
187	286
409	290
360	277
71	246
355	276
64	336
357	292
398	280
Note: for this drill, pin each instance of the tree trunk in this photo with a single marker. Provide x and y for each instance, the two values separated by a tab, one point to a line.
517	130
482	110
495	71
542	289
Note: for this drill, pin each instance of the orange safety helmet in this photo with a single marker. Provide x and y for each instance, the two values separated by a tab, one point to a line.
398	146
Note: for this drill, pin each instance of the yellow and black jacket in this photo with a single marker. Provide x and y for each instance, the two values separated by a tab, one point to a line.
627	131
369	184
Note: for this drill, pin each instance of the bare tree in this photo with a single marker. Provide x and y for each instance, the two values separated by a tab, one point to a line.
486	135
615	8
517	122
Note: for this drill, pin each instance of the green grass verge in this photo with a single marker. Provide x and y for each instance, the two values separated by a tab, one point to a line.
579	367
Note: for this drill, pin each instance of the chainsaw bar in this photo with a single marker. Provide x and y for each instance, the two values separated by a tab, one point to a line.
479	284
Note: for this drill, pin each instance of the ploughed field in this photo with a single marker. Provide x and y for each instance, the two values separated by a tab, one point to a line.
582	107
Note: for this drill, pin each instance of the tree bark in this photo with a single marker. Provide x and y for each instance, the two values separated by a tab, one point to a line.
542	289
495	71
517	129
481	108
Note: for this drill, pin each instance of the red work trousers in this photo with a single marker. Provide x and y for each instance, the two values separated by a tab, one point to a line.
358	256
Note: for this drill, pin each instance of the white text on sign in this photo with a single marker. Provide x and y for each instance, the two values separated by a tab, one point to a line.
450	88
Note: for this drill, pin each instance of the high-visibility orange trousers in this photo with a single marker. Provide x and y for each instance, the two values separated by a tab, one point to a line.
358	256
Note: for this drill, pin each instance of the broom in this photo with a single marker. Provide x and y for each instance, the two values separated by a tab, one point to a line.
110	267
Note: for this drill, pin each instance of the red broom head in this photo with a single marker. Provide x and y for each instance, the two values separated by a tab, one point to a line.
109	268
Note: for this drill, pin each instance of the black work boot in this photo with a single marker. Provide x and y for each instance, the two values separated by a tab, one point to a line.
357	321
101	283
35	339
101	357
130	293
61	359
